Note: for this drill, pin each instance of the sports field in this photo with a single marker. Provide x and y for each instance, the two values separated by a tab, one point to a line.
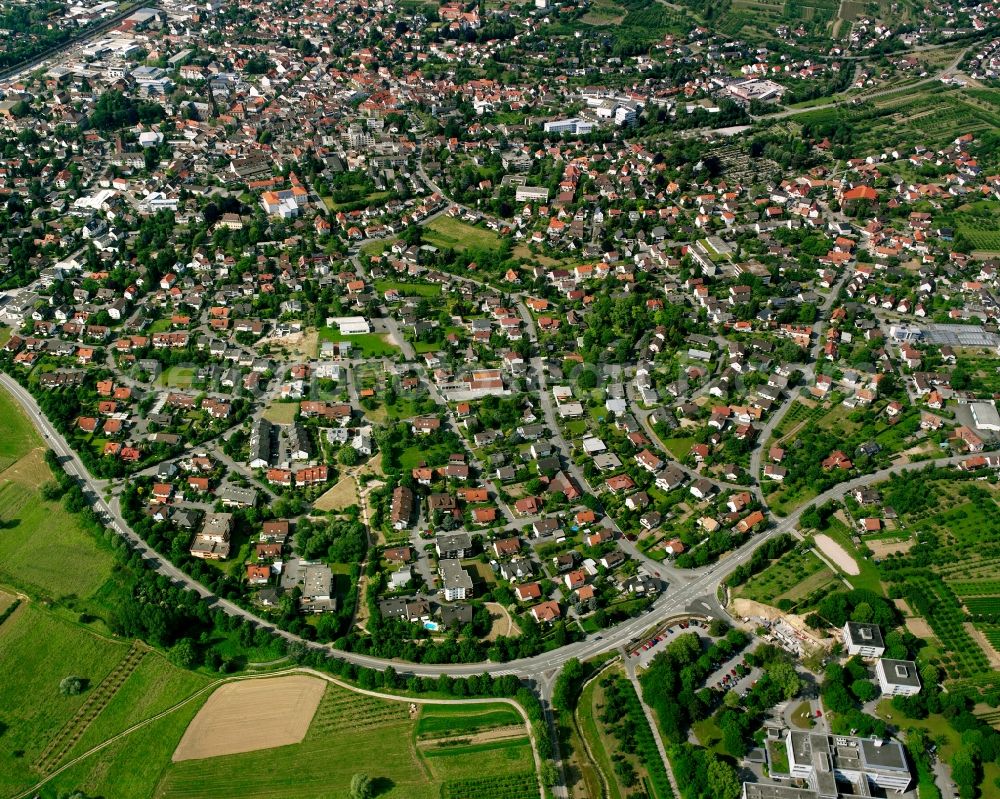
367	345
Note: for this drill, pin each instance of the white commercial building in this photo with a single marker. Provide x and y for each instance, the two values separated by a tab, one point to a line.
531	194
574	125
985	415
863	639
897	677
822	761
350	325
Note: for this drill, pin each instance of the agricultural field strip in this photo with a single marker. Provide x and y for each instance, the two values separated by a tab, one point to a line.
965	588
468	749
983	605
588	732
298	670
510	786
782	577
992	633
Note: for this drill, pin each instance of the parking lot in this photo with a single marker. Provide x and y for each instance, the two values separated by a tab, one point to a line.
732	675
644	650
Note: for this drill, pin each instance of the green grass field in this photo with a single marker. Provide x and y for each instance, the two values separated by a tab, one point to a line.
791	577
43	551
447	232
17	434
679	447
409	289
438	721
281	412
869	575
131	767
155	686
351	735
411	457
601	746
36	651
176	377
371	199
159	326
370	345
604	12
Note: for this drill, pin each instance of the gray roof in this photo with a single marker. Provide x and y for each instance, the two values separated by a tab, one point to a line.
864	634
900	672
453	575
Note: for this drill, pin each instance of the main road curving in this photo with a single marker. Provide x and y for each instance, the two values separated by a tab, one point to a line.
702	582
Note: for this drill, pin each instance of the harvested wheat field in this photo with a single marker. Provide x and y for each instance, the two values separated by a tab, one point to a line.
251	715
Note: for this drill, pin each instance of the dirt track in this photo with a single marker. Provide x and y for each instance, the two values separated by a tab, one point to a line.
251	715
837	554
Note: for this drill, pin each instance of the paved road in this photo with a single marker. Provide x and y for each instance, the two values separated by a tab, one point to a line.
699	586
702	583
865	96
808	375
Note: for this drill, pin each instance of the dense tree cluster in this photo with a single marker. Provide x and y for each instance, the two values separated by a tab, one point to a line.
672	681
336	540
739	718
858	604
114	110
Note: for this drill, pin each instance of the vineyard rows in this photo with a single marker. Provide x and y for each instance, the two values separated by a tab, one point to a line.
964	588
340	711
511	786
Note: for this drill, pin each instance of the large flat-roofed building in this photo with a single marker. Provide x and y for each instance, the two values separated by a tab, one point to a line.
350	325
574	125
863	639
985	415
317	588
531	194
897	677
826	763
453	545
759	790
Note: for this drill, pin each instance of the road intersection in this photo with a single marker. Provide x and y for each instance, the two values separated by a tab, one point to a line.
698	594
